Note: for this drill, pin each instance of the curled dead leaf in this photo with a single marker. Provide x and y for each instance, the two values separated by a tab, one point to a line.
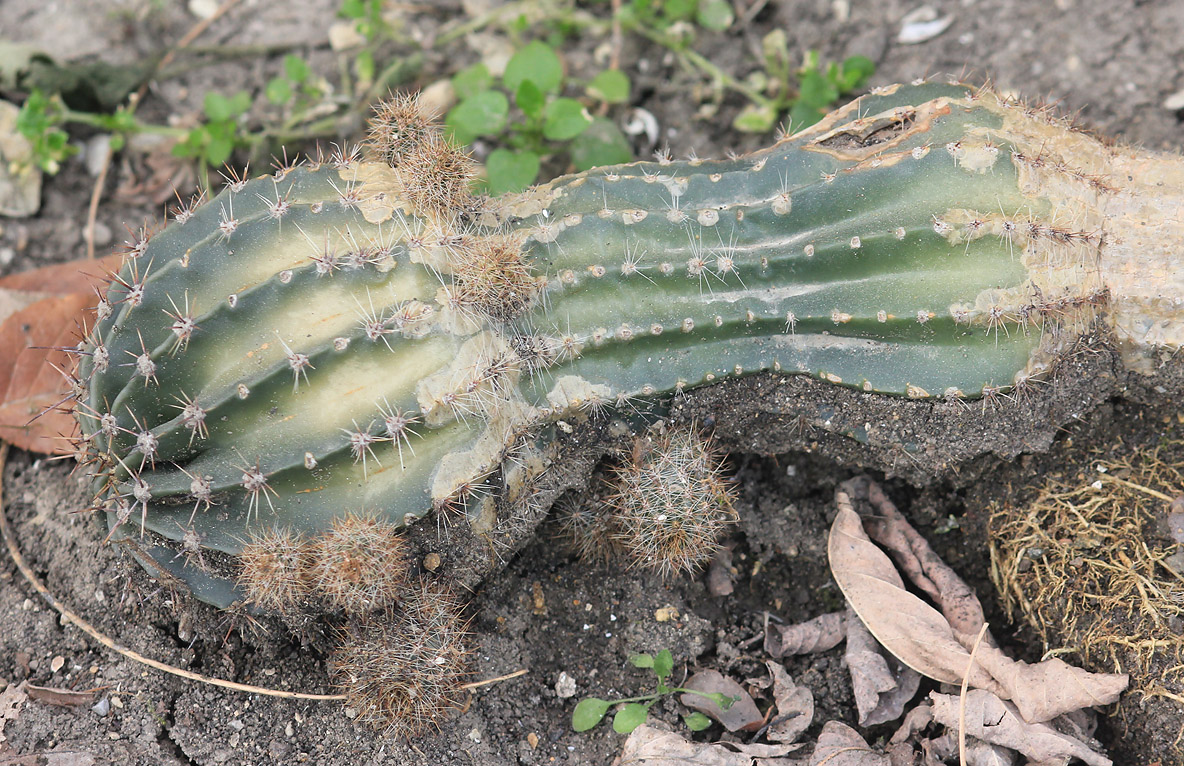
998	722
741	716
882	684
795	706
651	746
840	745
820	634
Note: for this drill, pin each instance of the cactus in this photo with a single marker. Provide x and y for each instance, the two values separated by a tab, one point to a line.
366	336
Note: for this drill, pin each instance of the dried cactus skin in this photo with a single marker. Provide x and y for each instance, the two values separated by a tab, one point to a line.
318	343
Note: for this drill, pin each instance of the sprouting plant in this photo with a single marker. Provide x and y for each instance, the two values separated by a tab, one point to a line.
297	85
807	93
544	123
40	122
212	141
369	23
634	711
661	15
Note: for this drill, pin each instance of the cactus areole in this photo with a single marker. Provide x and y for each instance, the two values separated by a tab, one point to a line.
364	335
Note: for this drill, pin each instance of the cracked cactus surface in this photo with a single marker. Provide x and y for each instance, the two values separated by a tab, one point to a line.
364	335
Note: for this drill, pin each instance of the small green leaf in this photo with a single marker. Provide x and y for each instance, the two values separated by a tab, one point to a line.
775	48
696	721
278	91
470	81
642	660
364	66
802	116
565	118
217	107
715	14
352	9
856	71
815	90
601	144
218	150
630	717
663	664
610	86
239	103
481	115
756	118
588	713
536	62
296	68
511	171
679	10
530	99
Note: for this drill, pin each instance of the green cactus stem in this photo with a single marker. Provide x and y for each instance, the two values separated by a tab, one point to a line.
353	336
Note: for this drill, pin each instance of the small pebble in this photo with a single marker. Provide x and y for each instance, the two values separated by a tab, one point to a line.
565	687
102	707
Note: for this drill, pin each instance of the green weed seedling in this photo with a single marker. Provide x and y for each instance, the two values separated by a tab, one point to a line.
39	120
634	711
807	94
546	121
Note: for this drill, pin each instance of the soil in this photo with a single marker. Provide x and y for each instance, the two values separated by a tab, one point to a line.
1112	64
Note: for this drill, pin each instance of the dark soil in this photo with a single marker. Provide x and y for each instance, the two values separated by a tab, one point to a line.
1111	63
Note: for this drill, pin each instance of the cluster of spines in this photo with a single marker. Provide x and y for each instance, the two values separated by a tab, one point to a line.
359	565
402	670
662	506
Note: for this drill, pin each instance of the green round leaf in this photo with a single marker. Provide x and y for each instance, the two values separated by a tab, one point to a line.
279	91
218	150
610	86
536	62
470	81
696	721
588	713
565	118
511	171
755	118
815	90
217	107
855	72
630	717
239	103
715	14
803	115
663	664
296	68
481	115
602	143
529	99
642	660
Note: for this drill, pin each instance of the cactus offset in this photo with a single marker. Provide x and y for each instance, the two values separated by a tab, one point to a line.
366	336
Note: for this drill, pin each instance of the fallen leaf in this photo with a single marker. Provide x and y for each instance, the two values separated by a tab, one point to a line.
923	639
979	753
998	722
651	746
795	706
840	745
61	697
886	525
743	713
882	685
904	624
719	574
1047	689
820	634
41	312
12	699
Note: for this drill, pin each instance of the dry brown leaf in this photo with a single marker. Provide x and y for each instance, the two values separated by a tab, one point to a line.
840	745
42	311
12	699
998	722
921	638
979	753
885	524
882	685
742	715
795	706
904	624
1047	689
820	634
654	747
61	697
